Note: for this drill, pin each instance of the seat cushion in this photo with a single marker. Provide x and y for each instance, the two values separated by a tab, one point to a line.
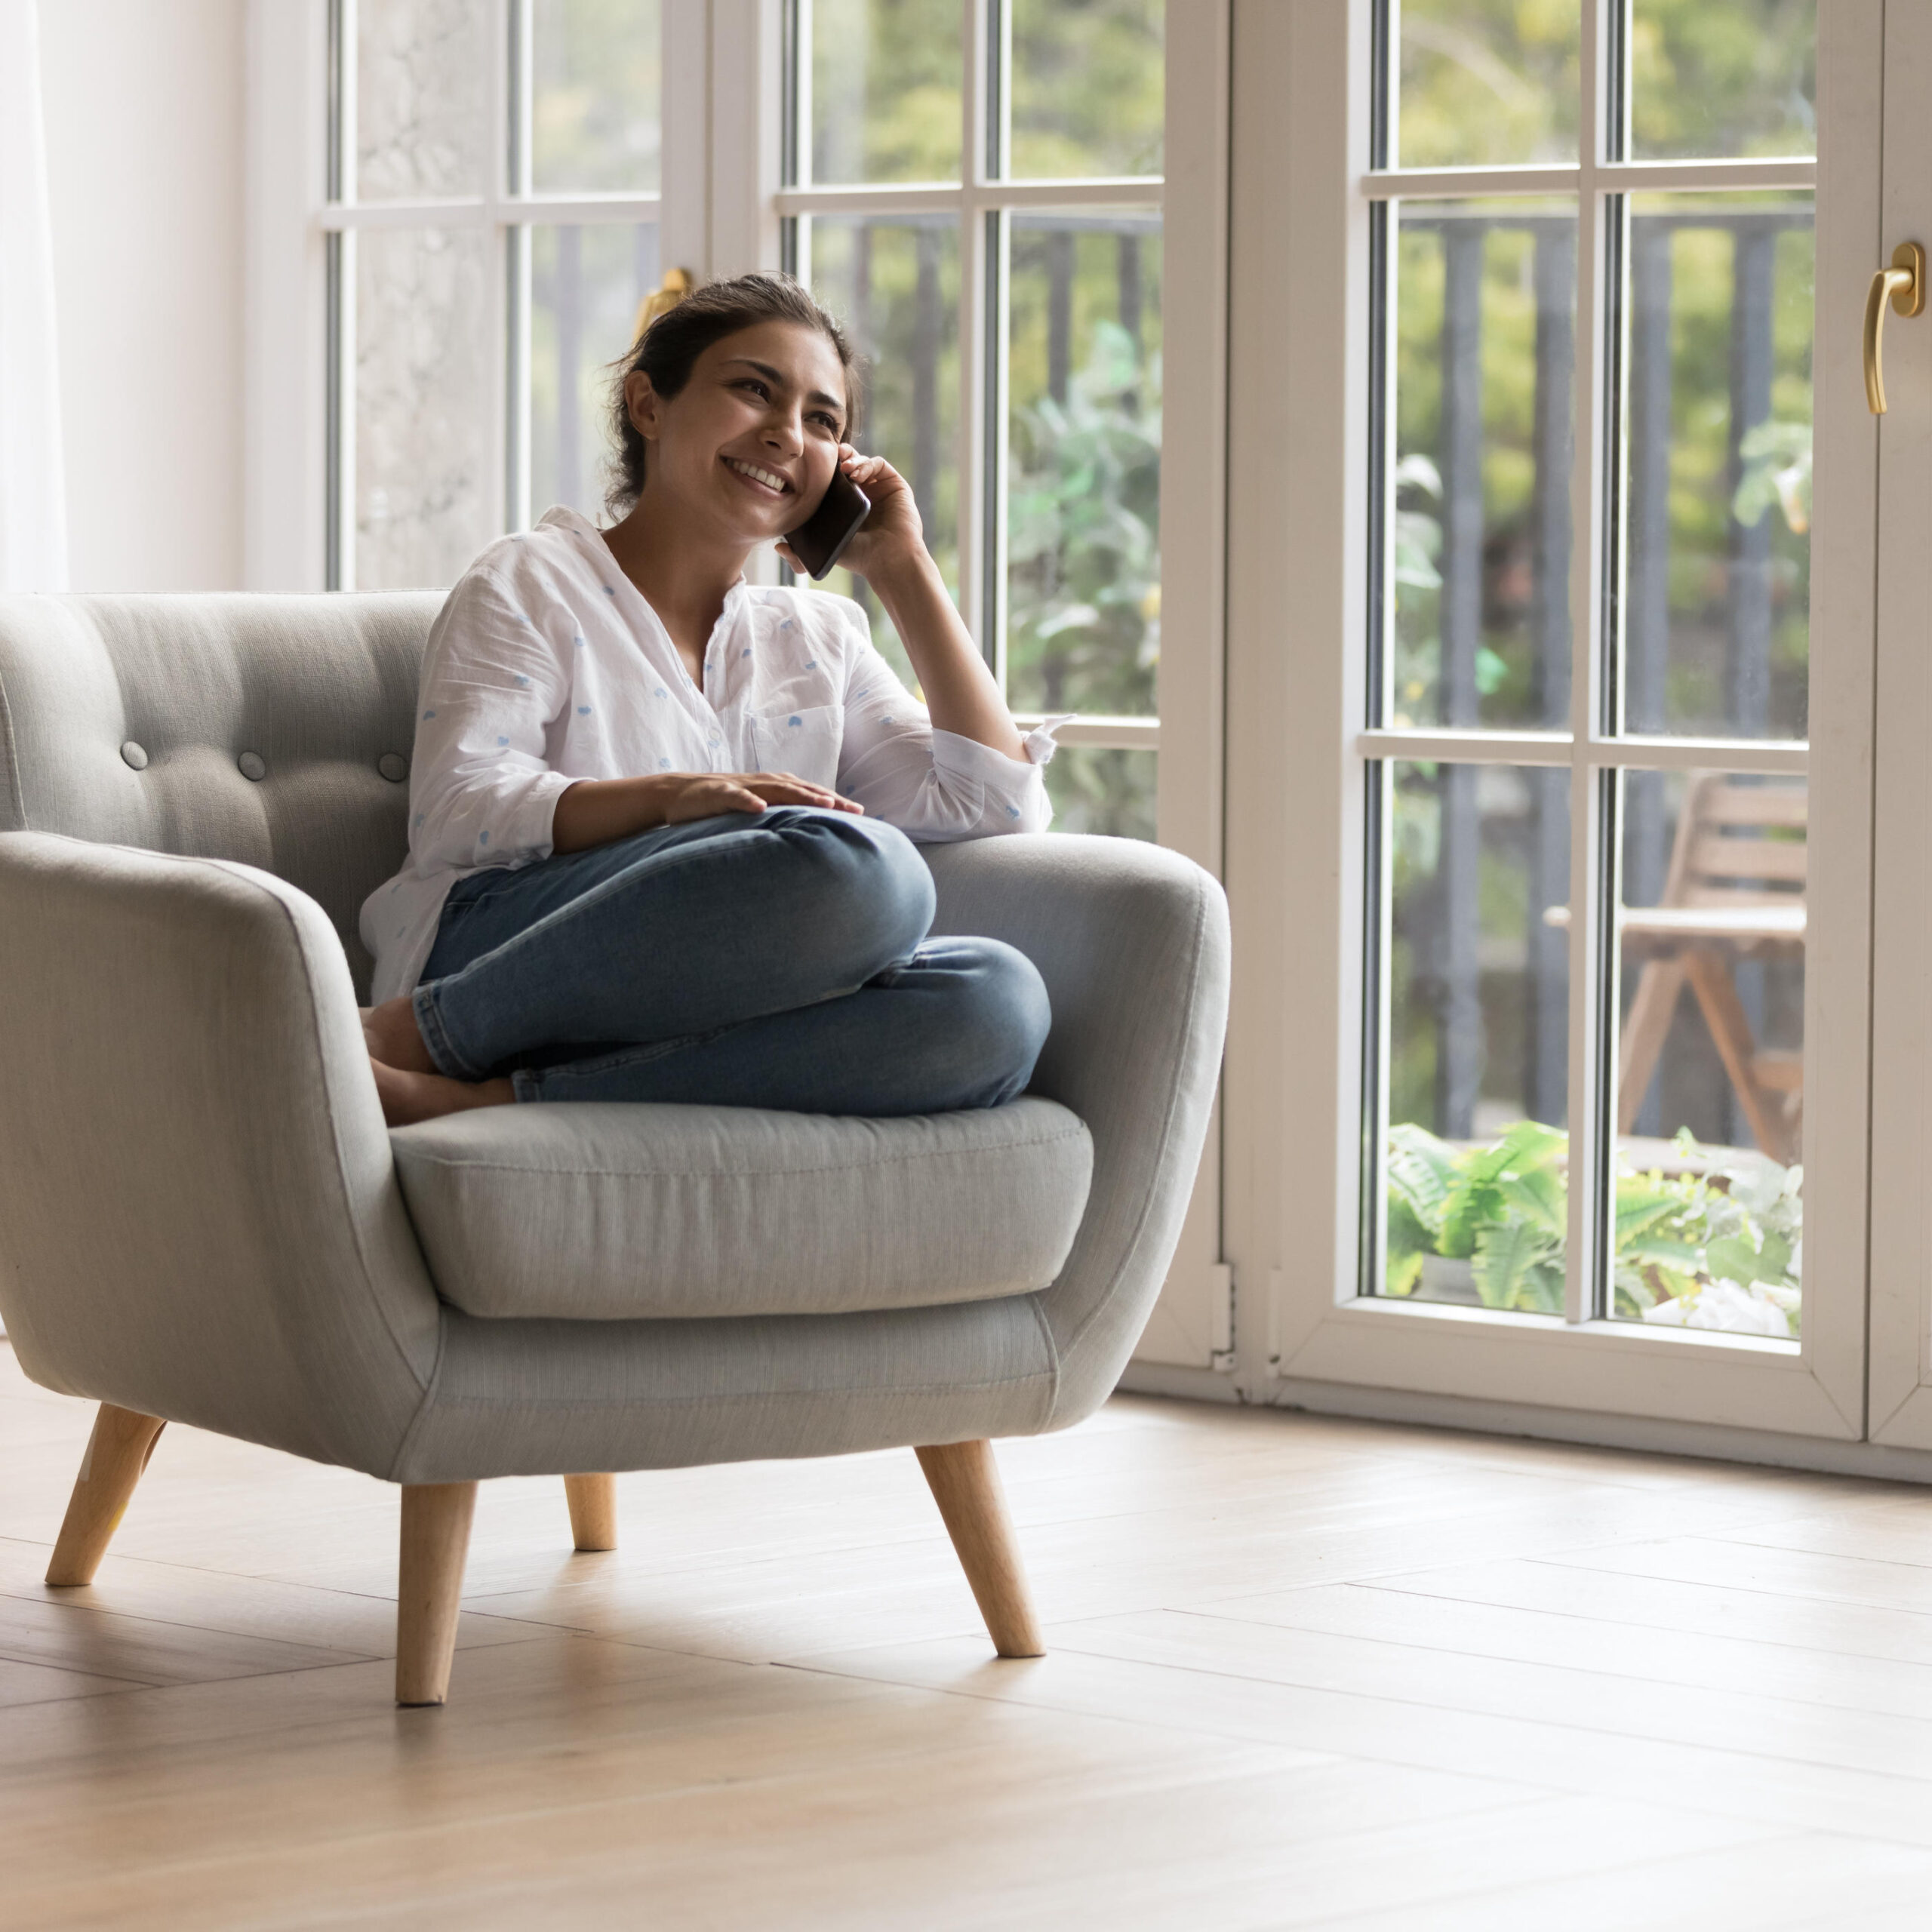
601	1211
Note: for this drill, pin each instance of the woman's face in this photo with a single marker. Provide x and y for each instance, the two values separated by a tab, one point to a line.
751	440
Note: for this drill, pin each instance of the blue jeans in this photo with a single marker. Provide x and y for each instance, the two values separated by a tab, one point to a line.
779	960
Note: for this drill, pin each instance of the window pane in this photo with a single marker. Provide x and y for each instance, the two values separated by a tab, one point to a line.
1089	87
1718	600
586	285
1083	483
895	285
1485	354
1710	1213
1723	79
885	90
421	69
1478	1067
428	489
1492	81
1108	791
595	103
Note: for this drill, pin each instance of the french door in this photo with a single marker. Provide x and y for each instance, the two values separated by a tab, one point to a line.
1568	565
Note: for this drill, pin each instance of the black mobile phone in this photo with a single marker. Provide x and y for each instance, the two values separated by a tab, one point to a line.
820	540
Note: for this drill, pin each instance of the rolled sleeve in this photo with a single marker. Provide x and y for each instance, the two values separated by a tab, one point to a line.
934	786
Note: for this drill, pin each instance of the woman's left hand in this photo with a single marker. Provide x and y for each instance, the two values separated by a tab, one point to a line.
893	534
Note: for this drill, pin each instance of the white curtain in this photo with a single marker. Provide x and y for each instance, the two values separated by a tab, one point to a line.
33	513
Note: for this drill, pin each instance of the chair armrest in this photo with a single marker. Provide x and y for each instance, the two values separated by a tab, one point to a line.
199	1217
1132	941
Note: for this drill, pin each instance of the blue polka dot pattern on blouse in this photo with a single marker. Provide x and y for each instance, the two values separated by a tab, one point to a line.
583	711
427	716
811	664
795	720
578	642
662	692
483	837
502	741
609	590
745	652
1013	811
663	764
519	679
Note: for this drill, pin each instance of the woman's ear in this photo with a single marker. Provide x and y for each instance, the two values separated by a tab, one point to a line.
643	405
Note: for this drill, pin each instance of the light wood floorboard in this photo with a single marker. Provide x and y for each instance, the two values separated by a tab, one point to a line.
1301	1672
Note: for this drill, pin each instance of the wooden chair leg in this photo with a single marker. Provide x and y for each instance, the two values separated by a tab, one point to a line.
117	1451
1730	1029
435	1545
1646	1027
593	1501
964	1480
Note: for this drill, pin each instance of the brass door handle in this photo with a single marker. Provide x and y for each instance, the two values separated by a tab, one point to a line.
1903	284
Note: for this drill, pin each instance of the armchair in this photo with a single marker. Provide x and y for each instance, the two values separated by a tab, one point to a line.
203	1218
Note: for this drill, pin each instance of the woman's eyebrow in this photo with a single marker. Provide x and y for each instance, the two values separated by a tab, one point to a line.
777	377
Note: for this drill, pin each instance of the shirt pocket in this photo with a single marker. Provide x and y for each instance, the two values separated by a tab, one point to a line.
803	742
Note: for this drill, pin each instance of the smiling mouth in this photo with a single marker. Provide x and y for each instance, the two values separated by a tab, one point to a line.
770	480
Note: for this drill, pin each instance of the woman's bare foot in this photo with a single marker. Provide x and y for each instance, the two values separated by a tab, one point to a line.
394	1037
408	1097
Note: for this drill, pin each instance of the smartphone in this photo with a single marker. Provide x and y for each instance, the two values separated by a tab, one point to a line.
820	540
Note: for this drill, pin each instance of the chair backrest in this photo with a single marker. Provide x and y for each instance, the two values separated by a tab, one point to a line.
276	730
1741	841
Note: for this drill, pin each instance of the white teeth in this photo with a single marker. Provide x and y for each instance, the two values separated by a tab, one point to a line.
751	470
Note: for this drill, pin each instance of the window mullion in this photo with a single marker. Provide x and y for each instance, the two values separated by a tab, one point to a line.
1589	791
977	96
504	158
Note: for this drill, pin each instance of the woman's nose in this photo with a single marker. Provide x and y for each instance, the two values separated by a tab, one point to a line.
784	432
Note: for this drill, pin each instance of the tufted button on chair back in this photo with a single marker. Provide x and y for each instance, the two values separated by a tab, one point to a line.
274	731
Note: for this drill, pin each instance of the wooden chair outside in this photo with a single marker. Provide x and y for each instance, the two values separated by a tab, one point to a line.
1735	891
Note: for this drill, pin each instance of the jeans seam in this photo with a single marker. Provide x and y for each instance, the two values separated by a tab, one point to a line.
436	1038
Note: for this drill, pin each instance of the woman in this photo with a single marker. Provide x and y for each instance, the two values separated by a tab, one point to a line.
659	818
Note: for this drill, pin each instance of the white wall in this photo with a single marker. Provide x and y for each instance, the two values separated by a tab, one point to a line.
144	110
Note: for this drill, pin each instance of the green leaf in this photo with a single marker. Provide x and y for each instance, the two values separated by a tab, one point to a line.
1511	1266
1539	1198
1422	1170
1400	1277
1733	1257
1636	1212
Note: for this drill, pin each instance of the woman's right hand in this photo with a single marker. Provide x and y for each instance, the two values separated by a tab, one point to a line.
690	795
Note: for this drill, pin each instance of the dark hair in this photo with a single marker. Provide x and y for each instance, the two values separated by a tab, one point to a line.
669	349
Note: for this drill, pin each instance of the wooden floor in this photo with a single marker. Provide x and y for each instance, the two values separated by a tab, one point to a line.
1303	1672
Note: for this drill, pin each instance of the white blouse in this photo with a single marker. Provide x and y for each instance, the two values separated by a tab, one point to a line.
546	666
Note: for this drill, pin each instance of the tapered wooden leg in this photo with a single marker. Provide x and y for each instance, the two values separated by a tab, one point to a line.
117	1451
593	1501
1646	1027
435	1544
964	1480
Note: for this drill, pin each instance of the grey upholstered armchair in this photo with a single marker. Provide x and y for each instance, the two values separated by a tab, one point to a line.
203	1218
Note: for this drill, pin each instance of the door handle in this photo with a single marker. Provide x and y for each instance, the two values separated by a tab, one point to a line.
1903	285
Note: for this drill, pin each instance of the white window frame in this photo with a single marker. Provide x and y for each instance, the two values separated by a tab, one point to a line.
1192	1326
294	221
720	212
1298	737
